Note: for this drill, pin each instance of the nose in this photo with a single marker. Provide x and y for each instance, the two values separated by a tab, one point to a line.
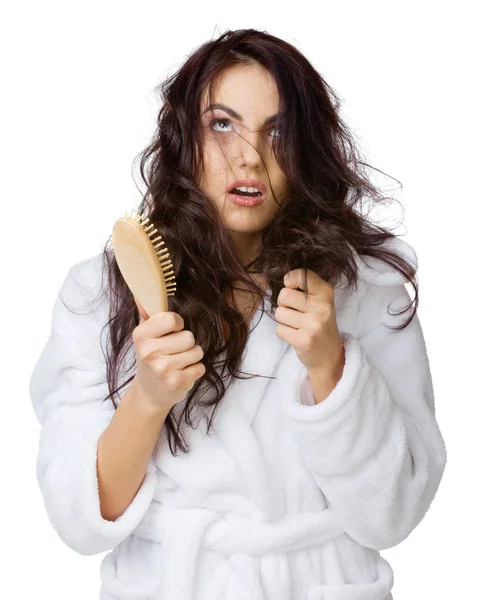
248	151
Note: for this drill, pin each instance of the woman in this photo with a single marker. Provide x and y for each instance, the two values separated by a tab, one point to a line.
205	484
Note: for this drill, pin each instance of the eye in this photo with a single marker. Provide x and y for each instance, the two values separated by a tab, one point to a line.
227	121
216	121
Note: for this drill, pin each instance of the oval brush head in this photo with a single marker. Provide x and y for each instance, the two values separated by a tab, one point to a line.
145	267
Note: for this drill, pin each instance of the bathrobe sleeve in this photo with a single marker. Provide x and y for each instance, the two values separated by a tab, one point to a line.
67	387
373	445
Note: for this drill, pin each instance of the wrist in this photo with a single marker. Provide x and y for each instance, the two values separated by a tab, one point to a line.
324	379
330	369
137	397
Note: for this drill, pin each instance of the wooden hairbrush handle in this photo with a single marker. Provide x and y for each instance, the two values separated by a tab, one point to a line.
145	267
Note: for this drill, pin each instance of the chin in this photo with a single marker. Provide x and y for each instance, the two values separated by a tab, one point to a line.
244	230
247	223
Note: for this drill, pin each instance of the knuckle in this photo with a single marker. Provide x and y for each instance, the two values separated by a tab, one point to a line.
171	319
162	366
306	343
190	338
143	354
172	381
317	327
317	332
177	319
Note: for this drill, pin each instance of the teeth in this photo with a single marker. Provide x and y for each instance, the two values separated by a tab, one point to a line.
248	189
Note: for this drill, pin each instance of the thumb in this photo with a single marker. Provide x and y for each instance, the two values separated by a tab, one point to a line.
143	315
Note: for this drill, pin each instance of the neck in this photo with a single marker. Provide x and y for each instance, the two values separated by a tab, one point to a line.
247	246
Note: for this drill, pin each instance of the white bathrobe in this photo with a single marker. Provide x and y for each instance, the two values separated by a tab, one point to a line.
282	501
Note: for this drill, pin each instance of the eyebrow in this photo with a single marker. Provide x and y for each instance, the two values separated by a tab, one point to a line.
235	115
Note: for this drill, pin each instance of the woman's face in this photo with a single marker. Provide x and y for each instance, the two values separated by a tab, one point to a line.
233	148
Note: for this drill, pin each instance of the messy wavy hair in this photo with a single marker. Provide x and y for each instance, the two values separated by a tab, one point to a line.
313	229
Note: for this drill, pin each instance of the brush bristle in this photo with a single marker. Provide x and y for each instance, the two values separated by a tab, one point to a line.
162	254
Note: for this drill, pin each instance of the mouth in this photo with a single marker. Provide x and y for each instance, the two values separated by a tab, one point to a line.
247	192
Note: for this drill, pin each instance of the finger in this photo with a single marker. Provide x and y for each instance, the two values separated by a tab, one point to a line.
175	342
176	361
143	315
192	373
294	279
161	324
294	299
292	318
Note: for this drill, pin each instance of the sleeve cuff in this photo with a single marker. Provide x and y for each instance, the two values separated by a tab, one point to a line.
335	403
70	488
306	392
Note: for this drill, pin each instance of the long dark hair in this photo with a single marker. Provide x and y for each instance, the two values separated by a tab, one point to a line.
313	229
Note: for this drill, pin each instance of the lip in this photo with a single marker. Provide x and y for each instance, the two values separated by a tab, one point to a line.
244	200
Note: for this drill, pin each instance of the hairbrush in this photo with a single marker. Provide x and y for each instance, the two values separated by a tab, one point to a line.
144	264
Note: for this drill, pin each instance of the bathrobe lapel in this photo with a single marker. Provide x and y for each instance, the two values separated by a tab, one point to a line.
263	352
233	424
237	411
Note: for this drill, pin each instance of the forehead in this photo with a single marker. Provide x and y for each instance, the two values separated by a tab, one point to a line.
250	90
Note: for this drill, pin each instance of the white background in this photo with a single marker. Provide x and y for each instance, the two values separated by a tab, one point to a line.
78	106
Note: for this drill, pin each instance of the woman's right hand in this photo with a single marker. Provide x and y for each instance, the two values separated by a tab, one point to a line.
167	358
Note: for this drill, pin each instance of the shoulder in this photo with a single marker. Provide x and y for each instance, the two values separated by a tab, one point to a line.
376	276
385	289
88	274
380	289
376	272
84	290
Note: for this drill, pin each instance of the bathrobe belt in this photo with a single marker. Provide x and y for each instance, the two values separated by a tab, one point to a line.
189	530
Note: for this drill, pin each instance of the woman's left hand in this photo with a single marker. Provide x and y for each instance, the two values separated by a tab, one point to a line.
310	325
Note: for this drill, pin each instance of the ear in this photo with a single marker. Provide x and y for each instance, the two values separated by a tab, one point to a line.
143	315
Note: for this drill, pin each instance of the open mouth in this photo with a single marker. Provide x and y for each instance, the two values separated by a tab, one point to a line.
246	192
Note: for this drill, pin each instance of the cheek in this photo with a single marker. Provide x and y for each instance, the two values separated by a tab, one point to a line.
216	167
216	145
279	184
